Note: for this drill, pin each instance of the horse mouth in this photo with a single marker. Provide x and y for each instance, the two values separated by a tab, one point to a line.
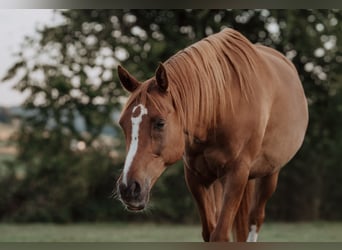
135	208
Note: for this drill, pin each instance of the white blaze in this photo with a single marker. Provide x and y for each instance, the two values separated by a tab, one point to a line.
253	235
134	140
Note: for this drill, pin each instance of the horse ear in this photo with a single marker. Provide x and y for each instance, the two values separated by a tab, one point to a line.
161	78
127	80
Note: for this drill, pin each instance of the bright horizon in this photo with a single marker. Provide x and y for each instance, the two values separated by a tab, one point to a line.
15	24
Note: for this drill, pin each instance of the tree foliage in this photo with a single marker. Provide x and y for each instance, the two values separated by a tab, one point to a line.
75	97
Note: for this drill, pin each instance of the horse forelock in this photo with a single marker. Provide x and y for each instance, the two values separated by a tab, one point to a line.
144	95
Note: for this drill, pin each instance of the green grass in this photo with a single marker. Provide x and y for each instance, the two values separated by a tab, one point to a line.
271	232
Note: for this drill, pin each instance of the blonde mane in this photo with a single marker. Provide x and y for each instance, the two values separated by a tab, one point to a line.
201	78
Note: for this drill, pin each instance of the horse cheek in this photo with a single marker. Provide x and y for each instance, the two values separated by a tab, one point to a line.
174	147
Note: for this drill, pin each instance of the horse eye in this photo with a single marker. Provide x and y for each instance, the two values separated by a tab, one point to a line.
159	124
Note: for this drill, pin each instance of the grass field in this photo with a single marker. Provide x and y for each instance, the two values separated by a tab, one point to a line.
271	232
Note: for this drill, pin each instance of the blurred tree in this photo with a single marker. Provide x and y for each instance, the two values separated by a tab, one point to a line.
70	73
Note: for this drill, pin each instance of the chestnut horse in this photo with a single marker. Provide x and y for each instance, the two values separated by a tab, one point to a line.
236	112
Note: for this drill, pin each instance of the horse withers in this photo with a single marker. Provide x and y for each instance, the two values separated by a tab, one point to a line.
236	112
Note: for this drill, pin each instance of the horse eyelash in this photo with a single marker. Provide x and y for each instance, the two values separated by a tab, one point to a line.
159	124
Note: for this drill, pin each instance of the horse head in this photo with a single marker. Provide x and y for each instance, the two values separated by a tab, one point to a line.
153	133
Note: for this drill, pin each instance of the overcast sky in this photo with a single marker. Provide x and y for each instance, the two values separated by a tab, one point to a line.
15	24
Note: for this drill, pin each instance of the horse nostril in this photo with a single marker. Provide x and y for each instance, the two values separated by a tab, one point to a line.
130	191
134	189
122	189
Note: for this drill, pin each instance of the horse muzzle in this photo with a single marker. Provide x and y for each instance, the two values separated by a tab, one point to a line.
133	195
